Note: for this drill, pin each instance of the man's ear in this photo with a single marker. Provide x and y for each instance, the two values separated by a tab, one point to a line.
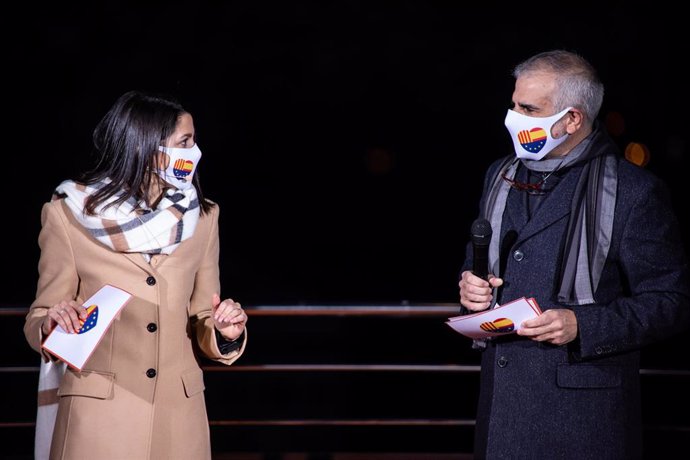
574	120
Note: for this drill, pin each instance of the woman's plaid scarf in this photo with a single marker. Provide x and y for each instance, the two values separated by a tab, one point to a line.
131	226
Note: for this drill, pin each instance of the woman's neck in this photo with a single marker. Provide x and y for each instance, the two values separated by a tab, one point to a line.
156	191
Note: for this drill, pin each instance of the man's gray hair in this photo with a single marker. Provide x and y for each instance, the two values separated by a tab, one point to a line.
577	82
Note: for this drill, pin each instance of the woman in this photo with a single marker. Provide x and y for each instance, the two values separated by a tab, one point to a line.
137	221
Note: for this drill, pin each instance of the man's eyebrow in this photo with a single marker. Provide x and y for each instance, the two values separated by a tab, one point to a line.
527	106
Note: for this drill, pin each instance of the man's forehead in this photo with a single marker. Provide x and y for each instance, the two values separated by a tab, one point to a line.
534	89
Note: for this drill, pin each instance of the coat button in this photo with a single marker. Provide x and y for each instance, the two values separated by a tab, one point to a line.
150	280
518	255
502	361
151	373
151	327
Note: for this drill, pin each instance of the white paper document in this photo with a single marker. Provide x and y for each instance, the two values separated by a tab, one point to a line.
501	320
102	307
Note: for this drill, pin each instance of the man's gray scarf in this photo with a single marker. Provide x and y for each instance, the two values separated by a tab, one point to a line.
590	225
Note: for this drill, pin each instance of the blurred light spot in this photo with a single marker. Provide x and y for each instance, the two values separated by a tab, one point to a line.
637	153
615	123
379	161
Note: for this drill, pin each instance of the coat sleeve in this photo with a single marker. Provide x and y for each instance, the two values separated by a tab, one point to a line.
206	283
653	302
57	273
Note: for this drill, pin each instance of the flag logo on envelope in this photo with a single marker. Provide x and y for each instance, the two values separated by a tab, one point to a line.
498	325
532	140
90	321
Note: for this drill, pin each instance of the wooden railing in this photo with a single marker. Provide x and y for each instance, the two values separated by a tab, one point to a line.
377	378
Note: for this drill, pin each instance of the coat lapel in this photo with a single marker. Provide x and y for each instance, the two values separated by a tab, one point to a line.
555	205
138	260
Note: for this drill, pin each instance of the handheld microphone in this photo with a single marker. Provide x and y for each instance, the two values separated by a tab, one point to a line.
481	237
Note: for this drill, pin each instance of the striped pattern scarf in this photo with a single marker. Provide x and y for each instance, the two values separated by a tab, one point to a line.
132	226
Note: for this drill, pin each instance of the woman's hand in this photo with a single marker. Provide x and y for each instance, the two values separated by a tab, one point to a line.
228	317
68	314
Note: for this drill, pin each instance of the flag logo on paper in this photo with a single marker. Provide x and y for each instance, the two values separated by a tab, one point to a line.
498	325
90	321
182	168
532	140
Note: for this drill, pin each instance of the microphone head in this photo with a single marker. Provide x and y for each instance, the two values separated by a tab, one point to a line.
481	232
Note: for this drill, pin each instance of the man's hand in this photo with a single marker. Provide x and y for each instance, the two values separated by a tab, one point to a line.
475	292
557	326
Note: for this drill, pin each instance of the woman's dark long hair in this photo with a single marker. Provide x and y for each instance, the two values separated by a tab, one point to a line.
127	141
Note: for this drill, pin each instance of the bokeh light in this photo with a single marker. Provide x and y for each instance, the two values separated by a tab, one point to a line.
637	153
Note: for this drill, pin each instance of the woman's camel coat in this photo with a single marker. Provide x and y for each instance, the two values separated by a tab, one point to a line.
141	393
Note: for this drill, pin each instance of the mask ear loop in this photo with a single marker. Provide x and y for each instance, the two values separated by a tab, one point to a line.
562	119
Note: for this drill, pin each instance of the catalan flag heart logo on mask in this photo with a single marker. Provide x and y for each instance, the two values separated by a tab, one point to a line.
533	140
182	168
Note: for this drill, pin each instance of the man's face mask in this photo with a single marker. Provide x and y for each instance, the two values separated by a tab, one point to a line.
181	166
532	135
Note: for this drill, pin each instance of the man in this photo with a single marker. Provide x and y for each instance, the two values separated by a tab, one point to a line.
592	238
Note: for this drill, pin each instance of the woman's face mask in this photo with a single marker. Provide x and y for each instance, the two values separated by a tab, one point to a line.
532	135
181	164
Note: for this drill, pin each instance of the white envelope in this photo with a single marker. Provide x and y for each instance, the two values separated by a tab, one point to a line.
501	320
75	349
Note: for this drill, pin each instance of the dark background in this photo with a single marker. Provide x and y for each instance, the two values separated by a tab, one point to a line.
344	141
346	144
